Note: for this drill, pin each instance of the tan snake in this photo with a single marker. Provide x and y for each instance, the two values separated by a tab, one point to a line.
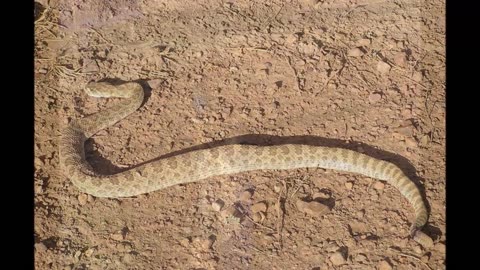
197	165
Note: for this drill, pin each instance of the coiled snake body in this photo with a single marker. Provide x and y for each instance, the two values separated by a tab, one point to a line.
201	164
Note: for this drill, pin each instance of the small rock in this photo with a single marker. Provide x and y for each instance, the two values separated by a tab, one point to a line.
384	265
90	67
38	163
127	258
410	143
155	83
258	217
424	140
42	71
259	207
374	97
337	258
208	243
331	247
349	185
185	242
309	2
230	211
364	42
383	67
312	208
40	247
117	237
124	247
379	185
82	199
321	195
360	213
218	205
39	189
417	249
400	59
277	187
355	52
417	76
440	248
89	252
307	241
360	258
245	196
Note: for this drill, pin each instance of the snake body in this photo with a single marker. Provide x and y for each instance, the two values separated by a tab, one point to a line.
201	164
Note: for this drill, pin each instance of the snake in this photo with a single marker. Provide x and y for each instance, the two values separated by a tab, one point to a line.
201	164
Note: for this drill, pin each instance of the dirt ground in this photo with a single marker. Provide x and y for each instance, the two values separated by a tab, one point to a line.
360	74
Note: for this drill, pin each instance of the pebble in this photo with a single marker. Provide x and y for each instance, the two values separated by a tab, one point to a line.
259	207
312	208
40	247
124	247
379	185
383	67
321	195
355	52
337	258
245	196
331	247
417	249
364	42
39	189
425	258
128	258
89	252
424	140
417	76
208	243
400	59
307	241
440	248
90	67
360	213
218	205
38	163
82	199
310	2
349	185
410	143
384	265
277	187
229	212
374	97
258	217
117	237
155	83
360	258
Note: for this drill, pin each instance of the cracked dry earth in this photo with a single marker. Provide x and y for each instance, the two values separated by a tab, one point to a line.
363	75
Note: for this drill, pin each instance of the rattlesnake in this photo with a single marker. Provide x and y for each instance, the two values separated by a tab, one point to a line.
197	165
